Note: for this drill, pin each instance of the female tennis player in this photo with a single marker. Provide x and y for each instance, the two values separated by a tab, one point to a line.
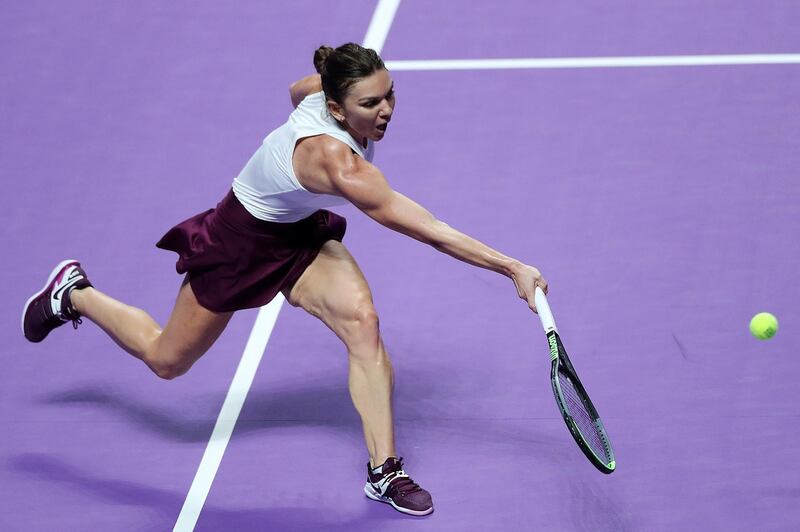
272	234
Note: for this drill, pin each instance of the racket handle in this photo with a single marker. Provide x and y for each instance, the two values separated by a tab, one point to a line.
543	308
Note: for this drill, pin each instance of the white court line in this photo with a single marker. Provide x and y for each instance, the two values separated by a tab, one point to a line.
226	421
382	20
595	62
256	344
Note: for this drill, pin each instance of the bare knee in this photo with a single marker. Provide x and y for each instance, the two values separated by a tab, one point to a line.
170	370
360	330
359	323
167	365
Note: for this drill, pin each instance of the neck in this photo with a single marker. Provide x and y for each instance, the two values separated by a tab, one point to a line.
361	141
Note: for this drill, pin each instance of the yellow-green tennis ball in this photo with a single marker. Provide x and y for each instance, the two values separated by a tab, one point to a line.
764	325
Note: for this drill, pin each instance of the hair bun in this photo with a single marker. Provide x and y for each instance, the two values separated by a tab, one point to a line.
320	57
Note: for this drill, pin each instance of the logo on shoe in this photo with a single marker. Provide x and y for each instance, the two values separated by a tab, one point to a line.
68	282
381	487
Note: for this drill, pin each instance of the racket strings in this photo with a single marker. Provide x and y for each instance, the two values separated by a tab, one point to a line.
577	409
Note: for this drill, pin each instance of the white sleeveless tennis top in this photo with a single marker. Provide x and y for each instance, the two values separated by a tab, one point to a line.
267	186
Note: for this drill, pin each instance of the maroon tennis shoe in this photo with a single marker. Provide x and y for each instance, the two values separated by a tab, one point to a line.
50	307
390	484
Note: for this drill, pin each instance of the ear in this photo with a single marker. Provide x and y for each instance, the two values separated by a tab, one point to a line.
335	110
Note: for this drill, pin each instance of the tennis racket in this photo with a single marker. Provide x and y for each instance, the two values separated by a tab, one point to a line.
576	408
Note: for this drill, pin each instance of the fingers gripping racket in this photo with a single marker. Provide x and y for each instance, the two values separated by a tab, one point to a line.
576	408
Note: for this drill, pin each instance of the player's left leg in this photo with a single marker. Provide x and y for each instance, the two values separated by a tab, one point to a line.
68	295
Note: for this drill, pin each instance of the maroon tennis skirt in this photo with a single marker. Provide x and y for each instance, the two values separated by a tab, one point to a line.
235	261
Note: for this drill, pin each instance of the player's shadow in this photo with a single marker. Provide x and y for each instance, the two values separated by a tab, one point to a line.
313	405
164	506
422	398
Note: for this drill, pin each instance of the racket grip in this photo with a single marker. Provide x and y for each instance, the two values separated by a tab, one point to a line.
543	308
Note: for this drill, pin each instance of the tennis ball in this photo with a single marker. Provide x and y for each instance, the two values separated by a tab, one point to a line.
764	325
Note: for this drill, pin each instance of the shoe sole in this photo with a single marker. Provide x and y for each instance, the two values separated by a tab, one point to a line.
370	492
61	265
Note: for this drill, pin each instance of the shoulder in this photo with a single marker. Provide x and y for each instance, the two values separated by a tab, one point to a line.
331	153
326	165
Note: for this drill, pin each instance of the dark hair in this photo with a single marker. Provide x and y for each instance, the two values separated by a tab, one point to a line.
342	67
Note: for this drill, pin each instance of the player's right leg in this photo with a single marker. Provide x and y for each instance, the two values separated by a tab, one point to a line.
170	352
334	289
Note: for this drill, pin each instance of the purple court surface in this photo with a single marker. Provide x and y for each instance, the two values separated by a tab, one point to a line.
660	202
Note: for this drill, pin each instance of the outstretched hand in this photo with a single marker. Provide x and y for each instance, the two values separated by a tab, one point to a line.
526	279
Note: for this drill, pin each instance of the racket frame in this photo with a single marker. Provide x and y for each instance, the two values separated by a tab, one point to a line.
559	359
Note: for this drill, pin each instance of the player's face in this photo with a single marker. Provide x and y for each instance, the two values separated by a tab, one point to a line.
368	106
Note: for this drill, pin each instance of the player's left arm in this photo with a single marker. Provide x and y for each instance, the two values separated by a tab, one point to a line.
366	187
303	87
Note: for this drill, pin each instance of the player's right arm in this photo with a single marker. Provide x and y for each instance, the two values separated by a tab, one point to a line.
365	186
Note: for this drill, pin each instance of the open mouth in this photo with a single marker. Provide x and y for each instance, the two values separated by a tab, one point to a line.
382	127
